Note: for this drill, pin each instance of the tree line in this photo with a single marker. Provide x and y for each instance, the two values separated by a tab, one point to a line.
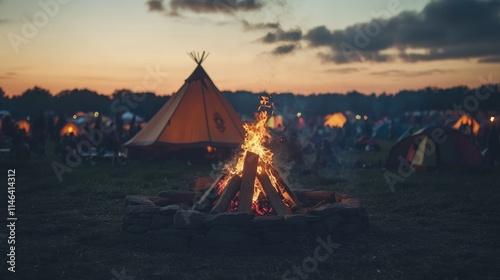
146	104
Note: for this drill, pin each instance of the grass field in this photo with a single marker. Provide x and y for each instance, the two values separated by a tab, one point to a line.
442	225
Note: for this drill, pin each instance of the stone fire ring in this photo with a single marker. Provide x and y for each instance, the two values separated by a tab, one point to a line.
168	217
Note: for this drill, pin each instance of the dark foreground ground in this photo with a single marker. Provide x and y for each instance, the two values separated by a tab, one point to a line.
443	225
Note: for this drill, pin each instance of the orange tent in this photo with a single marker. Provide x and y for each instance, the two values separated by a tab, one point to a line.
335	120
68	128
469	122
23	125
196	116
275	122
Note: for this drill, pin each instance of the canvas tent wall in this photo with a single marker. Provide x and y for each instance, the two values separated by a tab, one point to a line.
441	147
467	124
197	116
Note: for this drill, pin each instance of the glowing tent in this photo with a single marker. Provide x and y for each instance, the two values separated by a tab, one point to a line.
196	116
68	128
335	120
467	124
23	125
275	122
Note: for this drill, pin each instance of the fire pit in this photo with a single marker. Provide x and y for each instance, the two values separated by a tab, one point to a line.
248	204
170	217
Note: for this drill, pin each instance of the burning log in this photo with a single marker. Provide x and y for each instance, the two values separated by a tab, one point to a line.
231	189
288	195
248	182
272	194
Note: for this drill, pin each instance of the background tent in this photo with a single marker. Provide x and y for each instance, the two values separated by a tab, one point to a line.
335	120
69	128
457	150
467	124
23	125
197	116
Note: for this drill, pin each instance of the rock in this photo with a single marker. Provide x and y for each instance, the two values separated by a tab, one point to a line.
266	221
169	210
171	232
312	218
331	209
137	229
161	221
352	202
178	196
218	238
296	221
332	223
138	200
234	218
189	219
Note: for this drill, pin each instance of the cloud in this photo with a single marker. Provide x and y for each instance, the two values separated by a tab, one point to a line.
410	74
444	29
214	6
155	5
491	59
284	49
345	70
259	26
293	35
8	75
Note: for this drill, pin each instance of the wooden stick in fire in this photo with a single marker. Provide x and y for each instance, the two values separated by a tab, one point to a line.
207	192
230	190
272	194
248	182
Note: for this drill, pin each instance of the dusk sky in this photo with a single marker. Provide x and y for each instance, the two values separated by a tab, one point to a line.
276	46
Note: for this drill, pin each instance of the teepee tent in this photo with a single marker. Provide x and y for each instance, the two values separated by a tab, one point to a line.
197	116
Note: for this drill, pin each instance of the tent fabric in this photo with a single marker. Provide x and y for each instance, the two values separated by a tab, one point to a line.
469	123
196	116
423	148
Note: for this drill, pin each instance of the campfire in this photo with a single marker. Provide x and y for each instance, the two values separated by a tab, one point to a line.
247	205
250	183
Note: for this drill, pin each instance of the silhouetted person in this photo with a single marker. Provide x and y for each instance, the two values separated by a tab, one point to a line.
494	145
8	128
119	127
61	122
38	134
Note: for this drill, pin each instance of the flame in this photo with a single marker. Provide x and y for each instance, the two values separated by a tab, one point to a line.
256	138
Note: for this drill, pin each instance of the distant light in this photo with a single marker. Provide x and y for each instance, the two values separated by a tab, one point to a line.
96	114
492	119
28	118
70	129
299	114
358	117
210	149
365	117
74	117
